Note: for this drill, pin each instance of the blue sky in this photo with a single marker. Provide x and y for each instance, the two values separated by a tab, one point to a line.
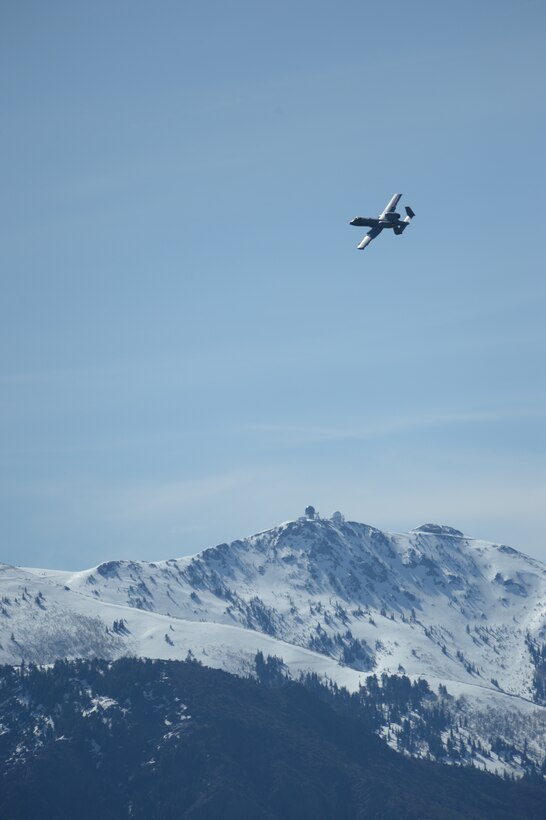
192	348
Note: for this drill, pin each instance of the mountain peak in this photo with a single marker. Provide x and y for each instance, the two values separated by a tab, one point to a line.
439	529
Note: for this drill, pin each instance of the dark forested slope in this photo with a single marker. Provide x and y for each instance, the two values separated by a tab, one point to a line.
168	739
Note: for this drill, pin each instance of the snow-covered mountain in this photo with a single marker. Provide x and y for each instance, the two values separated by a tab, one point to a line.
336	597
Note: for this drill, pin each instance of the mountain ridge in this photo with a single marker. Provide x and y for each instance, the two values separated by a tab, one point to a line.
339	598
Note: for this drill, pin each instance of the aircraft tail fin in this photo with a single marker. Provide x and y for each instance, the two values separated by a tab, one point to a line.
401	227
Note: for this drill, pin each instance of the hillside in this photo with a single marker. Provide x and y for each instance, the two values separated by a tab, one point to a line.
136	739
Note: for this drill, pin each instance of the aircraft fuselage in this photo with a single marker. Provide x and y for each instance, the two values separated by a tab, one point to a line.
383	221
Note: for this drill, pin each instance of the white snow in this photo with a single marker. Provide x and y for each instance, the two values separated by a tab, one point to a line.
438	605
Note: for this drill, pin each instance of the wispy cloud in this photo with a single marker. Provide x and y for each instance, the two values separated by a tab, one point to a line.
306	434
162	499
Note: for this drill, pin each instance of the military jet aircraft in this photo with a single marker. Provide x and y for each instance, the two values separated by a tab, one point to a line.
386	219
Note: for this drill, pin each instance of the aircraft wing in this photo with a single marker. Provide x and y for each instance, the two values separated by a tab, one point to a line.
393	202
368	238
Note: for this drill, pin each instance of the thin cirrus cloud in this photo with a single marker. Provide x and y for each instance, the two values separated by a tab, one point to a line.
303	434
157	499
